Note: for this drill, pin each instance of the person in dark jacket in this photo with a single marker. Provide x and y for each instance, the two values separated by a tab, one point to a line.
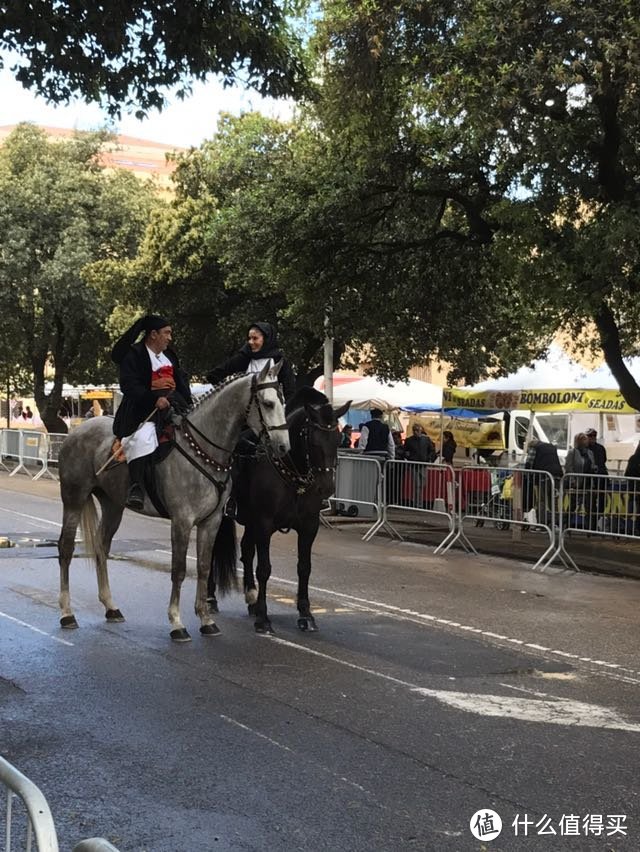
538	492
449	447
599	453
260	348
632	470
419	447
375	436
151	381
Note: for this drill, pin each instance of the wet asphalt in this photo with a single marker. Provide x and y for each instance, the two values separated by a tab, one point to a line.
436	687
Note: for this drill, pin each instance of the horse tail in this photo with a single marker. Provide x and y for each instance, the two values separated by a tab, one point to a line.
92	541
224	557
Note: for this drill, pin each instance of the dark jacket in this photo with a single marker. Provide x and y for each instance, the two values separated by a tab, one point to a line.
420	448
600	457
239	362
448	451
633	465
135	383
545	458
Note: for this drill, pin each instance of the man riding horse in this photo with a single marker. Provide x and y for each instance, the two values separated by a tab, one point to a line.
152	383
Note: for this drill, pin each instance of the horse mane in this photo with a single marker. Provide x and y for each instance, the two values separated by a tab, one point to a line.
214	390
305	395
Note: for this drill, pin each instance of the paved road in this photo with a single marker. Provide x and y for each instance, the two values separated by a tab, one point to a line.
435	688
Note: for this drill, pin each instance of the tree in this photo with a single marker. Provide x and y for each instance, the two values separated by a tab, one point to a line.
59	212
513	143
126	53
181	263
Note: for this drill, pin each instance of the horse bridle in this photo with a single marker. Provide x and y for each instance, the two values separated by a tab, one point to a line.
287	469
187	428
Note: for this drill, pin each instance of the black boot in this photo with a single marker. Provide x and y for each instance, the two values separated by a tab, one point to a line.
135	497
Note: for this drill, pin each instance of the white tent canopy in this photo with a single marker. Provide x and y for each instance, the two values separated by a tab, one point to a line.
556	371
368	392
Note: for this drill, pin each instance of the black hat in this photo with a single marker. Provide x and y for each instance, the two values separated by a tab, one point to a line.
591	431
153	322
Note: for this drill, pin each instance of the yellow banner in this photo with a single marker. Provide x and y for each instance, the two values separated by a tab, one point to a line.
565	399
97	394
466	433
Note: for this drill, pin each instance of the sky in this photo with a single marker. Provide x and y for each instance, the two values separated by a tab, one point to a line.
182	123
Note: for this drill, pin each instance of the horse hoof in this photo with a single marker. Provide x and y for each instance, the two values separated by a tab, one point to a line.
213	605
251	609
114	615
210	630
180	635
68	622
264	629
307	623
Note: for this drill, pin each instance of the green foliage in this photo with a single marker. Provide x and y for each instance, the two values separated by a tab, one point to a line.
125	54
59	212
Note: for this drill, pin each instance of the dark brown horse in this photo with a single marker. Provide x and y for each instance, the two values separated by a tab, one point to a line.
281	494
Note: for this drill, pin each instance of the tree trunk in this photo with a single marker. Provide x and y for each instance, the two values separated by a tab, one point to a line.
48	406
610	341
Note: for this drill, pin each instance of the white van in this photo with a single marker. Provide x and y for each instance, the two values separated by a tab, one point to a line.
618	432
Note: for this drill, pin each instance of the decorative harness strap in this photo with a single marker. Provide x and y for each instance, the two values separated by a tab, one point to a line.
287	470
188	428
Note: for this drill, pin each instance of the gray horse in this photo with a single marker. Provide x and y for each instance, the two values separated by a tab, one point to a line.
193	483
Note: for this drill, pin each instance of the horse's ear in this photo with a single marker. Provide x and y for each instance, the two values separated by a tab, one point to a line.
264	372
340	412
276	368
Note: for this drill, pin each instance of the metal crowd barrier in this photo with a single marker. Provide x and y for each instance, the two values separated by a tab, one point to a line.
600	507
358	489
428	489
29	448
509	498
38	820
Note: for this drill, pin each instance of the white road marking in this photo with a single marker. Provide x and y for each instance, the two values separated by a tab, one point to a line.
290	750
542	708
380	608
31	517
35	629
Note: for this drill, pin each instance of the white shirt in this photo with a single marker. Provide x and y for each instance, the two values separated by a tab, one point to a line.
158	359
257	364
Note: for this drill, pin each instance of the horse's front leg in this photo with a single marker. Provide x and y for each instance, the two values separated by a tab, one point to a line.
306	536
180	532
205	536
247	553
263	572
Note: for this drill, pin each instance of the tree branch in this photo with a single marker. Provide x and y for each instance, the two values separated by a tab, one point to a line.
610	341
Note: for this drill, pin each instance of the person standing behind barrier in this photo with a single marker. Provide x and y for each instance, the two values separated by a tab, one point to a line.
345	437
375	436
599	453
449	447
632	470
580	460
419	448
599	486
541	456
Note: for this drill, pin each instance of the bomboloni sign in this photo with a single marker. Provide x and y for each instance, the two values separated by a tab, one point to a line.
564	399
